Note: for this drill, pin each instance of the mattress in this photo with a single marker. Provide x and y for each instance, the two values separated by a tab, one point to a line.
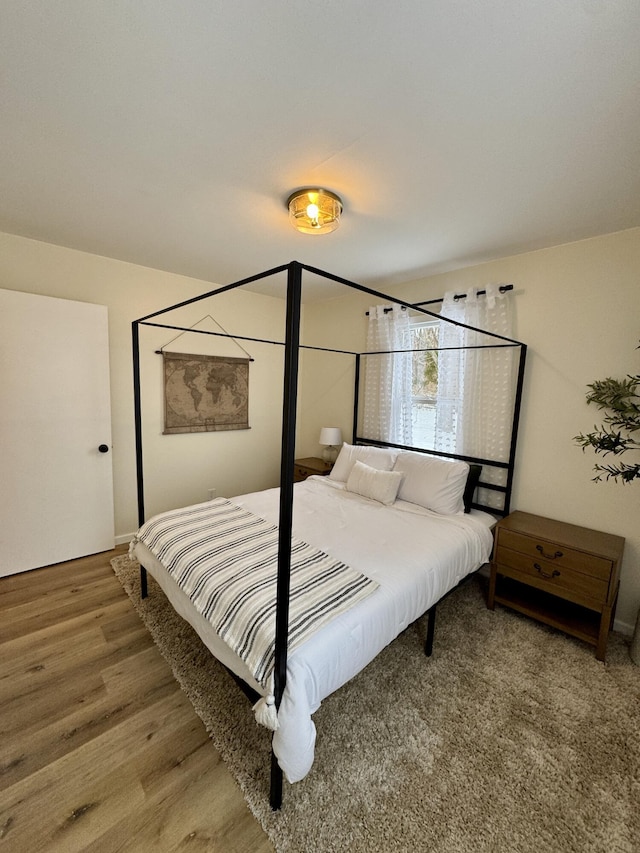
416	556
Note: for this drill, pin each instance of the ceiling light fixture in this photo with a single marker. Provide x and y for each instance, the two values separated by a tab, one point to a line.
314	211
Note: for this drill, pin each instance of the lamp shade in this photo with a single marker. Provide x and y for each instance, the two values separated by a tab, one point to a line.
330	436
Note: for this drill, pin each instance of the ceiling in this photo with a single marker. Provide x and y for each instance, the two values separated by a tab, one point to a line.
170	133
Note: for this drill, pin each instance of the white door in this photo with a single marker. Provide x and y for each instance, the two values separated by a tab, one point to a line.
56	480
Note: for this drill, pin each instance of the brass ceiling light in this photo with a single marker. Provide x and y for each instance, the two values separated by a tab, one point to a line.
314	211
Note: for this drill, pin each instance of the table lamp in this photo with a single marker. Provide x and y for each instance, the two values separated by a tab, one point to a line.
331	438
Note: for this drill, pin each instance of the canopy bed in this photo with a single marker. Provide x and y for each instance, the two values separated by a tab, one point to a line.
366	551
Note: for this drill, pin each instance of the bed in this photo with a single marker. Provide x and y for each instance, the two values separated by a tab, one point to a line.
415	556
408	550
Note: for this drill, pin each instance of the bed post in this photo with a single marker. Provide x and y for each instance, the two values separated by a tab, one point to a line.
514	428
291	358
137	412
431	624
356	397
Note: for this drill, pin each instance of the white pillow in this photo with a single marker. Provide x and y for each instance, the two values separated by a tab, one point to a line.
379	458
380	486
436	484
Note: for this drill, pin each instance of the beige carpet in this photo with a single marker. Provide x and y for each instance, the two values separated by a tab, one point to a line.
512	738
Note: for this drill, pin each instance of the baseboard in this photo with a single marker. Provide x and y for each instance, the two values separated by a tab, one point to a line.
124	540
623	628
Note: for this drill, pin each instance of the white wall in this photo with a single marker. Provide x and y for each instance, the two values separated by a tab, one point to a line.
178	468
578	310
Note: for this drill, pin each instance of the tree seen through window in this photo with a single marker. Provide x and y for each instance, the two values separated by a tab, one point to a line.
424	385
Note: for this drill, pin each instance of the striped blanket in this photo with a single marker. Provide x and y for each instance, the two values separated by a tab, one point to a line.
225	559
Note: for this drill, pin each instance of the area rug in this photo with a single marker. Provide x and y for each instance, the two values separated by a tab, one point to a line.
511	738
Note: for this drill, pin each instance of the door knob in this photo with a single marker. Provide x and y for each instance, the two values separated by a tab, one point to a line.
104	448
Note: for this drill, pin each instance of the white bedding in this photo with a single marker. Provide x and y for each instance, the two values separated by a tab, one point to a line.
416	556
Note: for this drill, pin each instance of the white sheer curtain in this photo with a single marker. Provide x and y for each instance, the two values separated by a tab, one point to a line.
387	378
476	387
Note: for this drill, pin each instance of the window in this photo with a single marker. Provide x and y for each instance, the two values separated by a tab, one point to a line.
424	381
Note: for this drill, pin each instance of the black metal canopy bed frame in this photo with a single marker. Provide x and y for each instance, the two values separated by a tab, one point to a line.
292	346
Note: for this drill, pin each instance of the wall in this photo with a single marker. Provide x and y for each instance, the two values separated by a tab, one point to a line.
578	310
179	469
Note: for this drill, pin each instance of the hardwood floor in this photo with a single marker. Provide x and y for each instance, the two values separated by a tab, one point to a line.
100	749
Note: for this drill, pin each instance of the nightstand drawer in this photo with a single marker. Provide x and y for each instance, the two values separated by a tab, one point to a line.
552	576
559	555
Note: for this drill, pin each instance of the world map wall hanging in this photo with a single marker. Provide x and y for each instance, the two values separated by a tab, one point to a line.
205	393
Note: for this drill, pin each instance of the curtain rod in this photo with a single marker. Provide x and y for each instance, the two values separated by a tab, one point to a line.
503	289
390	308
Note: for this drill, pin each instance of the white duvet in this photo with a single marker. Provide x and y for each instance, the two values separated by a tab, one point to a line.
416	556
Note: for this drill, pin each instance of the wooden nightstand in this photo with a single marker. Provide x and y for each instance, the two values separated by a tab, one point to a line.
303	468
557	573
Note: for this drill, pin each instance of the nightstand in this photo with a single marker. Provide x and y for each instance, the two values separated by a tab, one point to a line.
303	468
560	574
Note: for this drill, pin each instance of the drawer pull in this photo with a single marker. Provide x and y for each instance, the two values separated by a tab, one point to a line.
548	556
554	574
